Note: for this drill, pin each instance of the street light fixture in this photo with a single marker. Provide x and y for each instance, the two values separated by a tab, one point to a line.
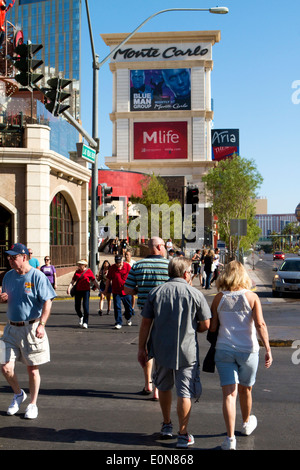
96	66
219	10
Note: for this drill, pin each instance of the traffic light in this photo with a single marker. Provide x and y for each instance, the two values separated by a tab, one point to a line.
34	64
55	96
105	196
192	197
24	62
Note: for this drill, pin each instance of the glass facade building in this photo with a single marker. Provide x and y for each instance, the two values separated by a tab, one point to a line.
57	25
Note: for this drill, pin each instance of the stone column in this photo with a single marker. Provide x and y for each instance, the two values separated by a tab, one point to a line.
37	192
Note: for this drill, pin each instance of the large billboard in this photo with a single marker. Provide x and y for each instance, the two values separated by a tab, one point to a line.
159	90
160	140
224	142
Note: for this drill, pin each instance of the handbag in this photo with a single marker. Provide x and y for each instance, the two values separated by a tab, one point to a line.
73	289
209	360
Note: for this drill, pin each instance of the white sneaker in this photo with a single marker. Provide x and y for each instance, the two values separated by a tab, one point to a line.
249	426
229	443
31	411
16	402
129	322
80	321
85	325
118	327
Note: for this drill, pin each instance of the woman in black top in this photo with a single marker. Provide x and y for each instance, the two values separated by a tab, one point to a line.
208	265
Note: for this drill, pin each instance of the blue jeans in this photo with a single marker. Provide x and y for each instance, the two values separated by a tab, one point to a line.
126	300
208	279
84	296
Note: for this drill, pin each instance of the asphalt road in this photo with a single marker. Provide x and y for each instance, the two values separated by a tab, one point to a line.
90	400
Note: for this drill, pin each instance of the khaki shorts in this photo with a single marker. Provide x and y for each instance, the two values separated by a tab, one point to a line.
186	380
21	344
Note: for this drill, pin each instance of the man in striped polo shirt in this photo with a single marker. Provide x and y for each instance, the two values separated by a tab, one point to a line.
142	278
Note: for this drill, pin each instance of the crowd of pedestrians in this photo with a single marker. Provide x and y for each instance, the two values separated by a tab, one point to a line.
172	311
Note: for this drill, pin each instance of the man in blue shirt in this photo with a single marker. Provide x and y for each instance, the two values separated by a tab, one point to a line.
29	295
33	261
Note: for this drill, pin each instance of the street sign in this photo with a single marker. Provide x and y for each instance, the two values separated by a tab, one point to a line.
238	227
86	152
221	245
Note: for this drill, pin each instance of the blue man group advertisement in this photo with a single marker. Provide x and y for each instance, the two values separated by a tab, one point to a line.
159	90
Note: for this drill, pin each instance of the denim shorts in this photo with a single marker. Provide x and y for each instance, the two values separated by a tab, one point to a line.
186	379
236	367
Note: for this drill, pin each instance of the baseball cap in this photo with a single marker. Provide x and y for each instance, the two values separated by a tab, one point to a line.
118	259
18	249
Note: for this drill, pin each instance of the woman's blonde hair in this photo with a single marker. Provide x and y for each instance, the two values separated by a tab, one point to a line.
233	277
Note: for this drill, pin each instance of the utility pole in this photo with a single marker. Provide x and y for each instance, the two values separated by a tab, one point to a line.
94	186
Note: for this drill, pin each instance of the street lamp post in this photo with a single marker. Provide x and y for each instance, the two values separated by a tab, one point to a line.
96	66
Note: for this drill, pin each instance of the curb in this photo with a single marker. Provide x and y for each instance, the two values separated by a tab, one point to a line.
278	343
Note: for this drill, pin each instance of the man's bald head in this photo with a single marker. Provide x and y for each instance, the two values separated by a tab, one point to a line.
156	246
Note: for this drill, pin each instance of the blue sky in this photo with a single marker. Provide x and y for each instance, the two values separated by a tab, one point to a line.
256	64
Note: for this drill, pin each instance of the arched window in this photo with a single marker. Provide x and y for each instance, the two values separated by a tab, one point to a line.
61	232
5	236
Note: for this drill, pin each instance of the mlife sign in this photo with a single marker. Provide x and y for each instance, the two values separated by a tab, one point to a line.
160	140
86	152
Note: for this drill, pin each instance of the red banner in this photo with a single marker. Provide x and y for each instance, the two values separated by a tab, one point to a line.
160	140
221	153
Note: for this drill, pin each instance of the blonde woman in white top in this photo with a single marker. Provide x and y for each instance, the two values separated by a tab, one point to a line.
237	316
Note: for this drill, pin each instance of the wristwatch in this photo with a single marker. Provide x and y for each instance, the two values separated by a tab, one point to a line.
42	323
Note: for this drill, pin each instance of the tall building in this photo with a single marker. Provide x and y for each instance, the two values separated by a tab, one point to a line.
57	25
162	111
269	223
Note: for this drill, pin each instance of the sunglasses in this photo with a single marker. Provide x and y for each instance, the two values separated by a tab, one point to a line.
13	257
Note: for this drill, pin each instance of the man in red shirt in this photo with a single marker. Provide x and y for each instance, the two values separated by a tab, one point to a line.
117	276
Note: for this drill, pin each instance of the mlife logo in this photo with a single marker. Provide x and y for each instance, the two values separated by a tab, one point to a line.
160	140
161	137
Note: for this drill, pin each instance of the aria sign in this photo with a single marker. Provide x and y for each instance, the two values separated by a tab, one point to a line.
225	143
171	52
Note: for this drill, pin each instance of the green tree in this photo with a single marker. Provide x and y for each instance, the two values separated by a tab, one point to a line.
293	228
230	188
163	214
